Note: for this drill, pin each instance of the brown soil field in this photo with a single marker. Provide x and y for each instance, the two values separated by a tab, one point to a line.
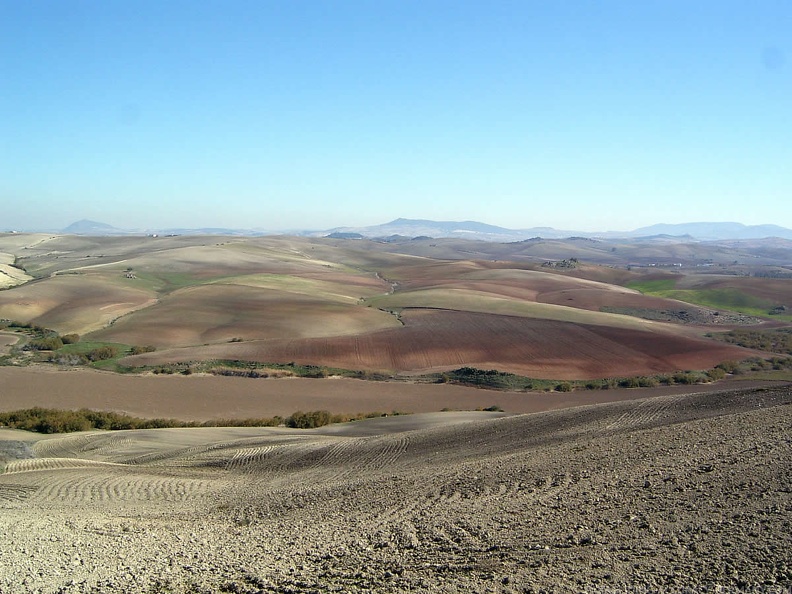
72	303
214	313
202	398
685	492
433	340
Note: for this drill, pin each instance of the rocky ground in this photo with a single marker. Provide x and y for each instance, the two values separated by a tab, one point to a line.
671	493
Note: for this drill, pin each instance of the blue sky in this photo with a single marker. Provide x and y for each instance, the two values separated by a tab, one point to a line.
586	115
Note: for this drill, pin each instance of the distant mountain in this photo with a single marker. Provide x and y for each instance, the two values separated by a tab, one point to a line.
715	231
342	235
409	228
406	229
208	231
86	227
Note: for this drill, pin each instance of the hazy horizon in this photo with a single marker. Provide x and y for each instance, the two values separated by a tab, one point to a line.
352	225
261	115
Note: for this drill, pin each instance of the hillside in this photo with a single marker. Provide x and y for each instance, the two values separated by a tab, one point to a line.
400	307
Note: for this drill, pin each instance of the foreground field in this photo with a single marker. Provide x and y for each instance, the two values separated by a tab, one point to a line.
638	495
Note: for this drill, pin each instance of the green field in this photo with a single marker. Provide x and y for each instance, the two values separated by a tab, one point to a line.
727	299
333	291
84	348
480	302
653	287
167	282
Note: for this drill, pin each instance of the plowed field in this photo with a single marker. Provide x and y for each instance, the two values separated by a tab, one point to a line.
641	495
436	340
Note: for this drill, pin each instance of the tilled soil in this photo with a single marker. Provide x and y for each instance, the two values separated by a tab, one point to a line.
668	493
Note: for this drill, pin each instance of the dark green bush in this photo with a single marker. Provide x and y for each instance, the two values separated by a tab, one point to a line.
716	373
629	382
308	420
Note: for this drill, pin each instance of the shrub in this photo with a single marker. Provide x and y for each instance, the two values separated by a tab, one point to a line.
689	377
716	373
728	366
758	364
781	362
50	343
648	382
102	353
493	408
70	338
139	350
564	387
630	382
68	359
308	420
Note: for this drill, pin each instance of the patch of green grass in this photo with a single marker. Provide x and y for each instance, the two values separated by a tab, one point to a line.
84	347
729	299
79	354
477	301
295	284
652	286
784	375
167	282
725	299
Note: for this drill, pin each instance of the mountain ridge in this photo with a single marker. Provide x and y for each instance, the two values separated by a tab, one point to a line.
412	228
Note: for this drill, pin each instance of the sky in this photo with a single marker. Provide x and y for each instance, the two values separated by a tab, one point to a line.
308	114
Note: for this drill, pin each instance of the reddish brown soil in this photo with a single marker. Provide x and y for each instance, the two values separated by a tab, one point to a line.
207	397
439	340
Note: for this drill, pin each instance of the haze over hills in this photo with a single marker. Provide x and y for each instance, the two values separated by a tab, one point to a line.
714	231
412	228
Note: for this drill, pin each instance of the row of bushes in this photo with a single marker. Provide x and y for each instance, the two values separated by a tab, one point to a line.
320	418
43	339
50	420
254	373
47	340
47	420
772	341
494	379
102	353
252	369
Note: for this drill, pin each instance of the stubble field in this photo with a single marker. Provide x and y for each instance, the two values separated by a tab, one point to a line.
659	494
